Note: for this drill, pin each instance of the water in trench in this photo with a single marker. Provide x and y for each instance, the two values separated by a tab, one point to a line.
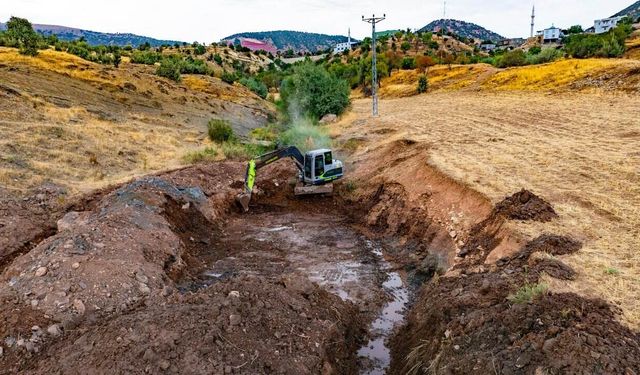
331	254
376	351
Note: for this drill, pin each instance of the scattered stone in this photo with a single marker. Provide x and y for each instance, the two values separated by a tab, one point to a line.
79	306
167	291
35	328
234	294
456	347
9	342
140	277
41	271
75	266
54	330
144	289
447	333
30	347
34	303
548	345
1	351
234	319
164	364
453	234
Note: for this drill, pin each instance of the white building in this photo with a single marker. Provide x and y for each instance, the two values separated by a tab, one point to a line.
341	47
606	24
551	35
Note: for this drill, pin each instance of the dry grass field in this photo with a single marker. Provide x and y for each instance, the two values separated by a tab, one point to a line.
592	75
83	125
580	151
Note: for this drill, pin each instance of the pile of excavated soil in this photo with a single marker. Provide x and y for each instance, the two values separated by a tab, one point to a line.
103	294
524	205
485	318
245	325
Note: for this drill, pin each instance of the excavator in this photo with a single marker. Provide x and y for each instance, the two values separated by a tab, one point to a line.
317	170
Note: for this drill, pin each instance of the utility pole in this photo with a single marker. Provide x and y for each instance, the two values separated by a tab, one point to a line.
374	69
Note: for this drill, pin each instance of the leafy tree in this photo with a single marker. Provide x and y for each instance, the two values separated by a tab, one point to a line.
405	46
575	29
228	77
535	50
218	59
314	92
610	44
424	62
21	32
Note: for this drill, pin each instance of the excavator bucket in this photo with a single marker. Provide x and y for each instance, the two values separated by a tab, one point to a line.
243	200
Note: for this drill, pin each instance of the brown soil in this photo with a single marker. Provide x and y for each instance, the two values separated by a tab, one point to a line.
524	205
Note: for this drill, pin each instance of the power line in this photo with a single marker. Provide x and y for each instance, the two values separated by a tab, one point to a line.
374	69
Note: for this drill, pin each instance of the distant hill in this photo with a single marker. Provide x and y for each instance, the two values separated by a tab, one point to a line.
462	28
632	11
96	38
295	40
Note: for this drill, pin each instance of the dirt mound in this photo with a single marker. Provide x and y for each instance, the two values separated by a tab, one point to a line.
246	325
524	205
470	321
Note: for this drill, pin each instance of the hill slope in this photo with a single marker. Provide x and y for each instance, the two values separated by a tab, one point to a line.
295	40
462	28
82	125
95	37
633	11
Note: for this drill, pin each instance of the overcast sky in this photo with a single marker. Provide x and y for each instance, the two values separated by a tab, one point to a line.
208	21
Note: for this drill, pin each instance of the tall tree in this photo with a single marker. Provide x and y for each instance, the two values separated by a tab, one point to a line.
22	33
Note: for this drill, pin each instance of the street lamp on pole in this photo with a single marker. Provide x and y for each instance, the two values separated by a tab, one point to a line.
374	68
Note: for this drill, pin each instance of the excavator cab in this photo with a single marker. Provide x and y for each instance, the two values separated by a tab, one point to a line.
317	169
320	167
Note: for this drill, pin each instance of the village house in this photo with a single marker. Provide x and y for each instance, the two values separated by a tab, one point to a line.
551	35
606	24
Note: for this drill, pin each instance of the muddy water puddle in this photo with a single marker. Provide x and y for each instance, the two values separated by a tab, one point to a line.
330	253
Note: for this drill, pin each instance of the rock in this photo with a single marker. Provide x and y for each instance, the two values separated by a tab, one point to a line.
41	271
35	328
1	351
592	340
453	234
234	294
167	291
144	289
456	347
235	319
30	347
447	333
79	306
548	345
329	119
34	303
164	364
75	266
54	330
140	277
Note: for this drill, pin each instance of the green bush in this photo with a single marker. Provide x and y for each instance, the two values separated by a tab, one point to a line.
218	59
314	92
512	58
610	44
170	68
408	63
528	293
208	154
145	57
546	56
220	131
228	77
193	66
256	86
423	84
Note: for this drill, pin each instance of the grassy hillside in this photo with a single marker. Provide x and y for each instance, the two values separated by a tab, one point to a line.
462	28
96	38
83	125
